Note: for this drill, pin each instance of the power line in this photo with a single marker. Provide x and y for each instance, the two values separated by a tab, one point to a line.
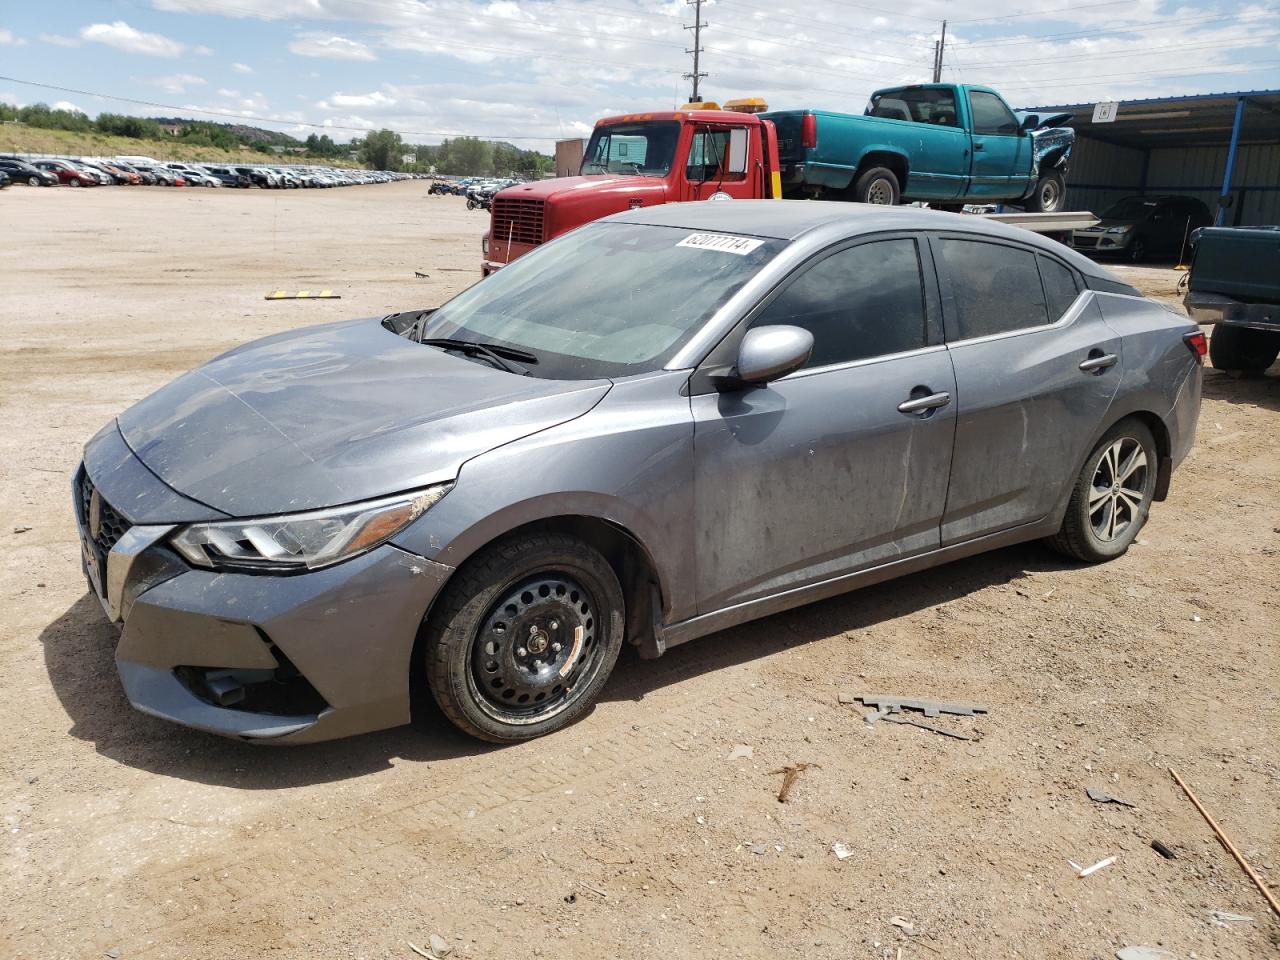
1107	32
1046	13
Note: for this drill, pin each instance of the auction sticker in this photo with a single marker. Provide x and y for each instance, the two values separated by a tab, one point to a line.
724	243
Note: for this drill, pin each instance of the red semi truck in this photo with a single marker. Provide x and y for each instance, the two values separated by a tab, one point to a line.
699	152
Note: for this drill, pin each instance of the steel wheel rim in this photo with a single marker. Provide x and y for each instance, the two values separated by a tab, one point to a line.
1049	195
1118	489
537	649
880	192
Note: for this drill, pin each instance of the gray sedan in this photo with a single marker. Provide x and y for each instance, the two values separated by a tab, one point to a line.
658	426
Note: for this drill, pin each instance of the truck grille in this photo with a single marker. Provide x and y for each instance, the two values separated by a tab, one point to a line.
111	524
517	218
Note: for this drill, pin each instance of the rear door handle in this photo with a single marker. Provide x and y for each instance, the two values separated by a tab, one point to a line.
924	404
1099	363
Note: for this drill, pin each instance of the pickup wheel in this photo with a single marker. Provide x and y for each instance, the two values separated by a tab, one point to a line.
877	185
1242	350
1048	195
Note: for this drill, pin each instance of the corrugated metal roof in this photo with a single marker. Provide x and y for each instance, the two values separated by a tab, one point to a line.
1201	119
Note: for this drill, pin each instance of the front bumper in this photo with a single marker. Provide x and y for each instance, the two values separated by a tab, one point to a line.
1100	242
1209	308
295	659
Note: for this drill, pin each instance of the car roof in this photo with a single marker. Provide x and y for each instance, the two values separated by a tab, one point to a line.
793	219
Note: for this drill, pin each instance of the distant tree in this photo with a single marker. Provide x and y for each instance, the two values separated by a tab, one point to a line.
506	159
323	146
382	150
120	125
533	164
465	156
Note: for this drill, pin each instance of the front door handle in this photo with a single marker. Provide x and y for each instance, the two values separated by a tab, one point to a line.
1099	363
924	404
978	145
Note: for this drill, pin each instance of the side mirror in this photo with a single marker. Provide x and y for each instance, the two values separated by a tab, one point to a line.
768	353
1031	121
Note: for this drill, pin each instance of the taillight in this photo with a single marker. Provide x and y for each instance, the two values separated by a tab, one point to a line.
1197	344
809	131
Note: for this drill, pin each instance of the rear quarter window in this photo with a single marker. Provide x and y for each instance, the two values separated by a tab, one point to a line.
1060	287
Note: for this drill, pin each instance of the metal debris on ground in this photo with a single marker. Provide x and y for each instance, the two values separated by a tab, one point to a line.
789	775
113	953
419	273
1164	851
440	947
1224	917
303	295
741	752
842	850
884	703
1101	797
21	529
905	925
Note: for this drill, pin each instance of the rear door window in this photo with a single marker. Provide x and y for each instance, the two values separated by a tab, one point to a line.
860	302
995	288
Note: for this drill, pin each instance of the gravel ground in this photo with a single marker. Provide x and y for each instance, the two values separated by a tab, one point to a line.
640	831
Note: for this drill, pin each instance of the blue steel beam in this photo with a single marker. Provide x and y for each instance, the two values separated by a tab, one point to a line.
1231	161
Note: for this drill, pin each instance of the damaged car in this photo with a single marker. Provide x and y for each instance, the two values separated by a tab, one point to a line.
655	427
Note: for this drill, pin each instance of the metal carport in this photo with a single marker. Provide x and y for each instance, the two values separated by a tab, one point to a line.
1208	146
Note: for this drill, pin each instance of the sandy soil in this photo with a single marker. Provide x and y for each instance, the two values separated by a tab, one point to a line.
634	833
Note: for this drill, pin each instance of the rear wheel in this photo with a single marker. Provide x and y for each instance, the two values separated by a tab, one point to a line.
524	638
33	181
877	185
1112	495
1048	195
1242	350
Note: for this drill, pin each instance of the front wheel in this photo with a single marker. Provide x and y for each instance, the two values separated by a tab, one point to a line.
74	182
524	637
1111	497
1243	350
878	185
1048	195
33	181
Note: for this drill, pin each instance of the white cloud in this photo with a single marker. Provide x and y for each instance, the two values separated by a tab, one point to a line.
344	101
178	82
330	47
58	40
225	92
242	68
67	105
7	39
124	37
202	51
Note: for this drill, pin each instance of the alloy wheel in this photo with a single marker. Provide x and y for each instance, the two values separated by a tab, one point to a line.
535	649
1117	493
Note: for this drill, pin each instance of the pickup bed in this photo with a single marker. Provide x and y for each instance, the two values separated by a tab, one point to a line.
1235	285
948	144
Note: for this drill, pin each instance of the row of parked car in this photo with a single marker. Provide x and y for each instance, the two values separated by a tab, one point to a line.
124	171
467	186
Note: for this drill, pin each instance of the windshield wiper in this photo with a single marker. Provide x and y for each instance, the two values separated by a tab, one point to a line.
502	357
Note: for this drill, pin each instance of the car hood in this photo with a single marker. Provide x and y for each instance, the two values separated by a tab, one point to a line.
334	414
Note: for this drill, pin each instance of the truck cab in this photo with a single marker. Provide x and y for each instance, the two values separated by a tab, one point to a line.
700	152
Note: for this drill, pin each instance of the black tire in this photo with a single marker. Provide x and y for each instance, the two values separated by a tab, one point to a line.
33	181
73	182
1091	509
487	678
1241	350
1050	191
1137	251
877	185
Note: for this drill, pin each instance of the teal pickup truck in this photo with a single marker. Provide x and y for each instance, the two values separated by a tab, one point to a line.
948	144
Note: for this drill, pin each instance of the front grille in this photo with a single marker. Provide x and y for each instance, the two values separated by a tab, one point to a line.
518	219
1084	241
111	525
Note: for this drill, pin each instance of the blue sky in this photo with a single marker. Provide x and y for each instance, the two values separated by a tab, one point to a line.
532	71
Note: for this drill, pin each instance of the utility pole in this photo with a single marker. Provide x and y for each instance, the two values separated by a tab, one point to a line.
697	28
939	50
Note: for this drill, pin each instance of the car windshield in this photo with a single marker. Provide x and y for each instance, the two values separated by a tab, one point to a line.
647	149
1131	208
606	300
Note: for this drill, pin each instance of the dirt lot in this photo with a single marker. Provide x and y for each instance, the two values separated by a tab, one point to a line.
633	833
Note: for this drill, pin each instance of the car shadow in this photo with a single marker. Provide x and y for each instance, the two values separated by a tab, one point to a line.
633	678
79	655
79	652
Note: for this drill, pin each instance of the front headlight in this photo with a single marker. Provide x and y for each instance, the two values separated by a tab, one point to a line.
484	245
302	541
1125	228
